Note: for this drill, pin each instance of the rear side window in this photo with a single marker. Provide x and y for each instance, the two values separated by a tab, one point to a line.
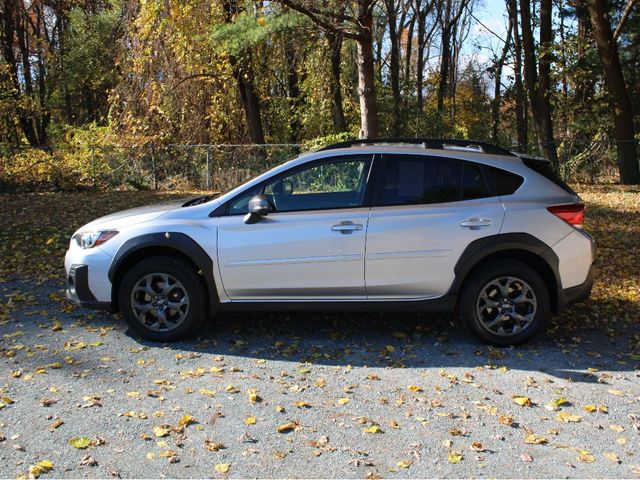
544	168
473	183
413	180
409	180
503	182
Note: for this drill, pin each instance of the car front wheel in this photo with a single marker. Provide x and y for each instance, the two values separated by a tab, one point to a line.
505	303
162	299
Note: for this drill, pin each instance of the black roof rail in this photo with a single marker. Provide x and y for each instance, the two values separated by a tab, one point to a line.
435	143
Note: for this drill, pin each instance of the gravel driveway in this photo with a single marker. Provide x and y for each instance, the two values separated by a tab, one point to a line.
310	395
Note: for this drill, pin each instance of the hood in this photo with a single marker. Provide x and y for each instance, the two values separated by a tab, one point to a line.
136	215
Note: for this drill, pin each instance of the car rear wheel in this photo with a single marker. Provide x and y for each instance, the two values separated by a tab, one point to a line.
162	299
505	303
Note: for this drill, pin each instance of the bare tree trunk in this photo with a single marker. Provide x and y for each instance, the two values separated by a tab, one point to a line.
619	97
293	87
497	90
445	56
335	52
408	54
521	100
449	19
422	20
249	100
537	79
12	31
394	67
243	75
361	31
366	86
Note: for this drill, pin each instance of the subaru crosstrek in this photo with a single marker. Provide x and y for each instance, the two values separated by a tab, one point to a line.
423	225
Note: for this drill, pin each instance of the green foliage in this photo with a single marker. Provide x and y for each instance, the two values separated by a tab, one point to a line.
320	142
249	30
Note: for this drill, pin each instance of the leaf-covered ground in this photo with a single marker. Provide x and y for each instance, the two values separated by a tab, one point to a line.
311	395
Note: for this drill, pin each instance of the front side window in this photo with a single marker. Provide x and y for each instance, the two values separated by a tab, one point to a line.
334	183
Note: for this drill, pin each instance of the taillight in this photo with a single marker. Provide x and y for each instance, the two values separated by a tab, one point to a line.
572	213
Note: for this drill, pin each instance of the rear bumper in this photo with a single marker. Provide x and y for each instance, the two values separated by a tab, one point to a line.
579	293
78	289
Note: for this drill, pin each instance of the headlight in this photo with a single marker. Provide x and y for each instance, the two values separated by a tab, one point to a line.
93	239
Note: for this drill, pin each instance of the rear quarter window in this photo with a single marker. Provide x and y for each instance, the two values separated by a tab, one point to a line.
502	182
544	168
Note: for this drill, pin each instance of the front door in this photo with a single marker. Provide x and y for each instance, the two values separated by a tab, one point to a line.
311	246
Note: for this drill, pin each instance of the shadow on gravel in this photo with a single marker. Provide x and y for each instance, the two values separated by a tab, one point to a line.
572	343
587	336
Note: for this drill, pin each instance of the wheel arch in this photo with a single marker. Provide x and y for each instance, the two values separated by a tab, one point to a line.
174	244
521	247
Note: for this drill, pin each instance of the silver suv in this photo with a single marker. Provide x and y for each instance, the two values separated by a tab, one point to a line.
399	224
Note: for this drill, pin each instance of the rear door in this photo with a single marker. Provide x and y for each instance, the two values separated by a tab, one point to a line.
311	246
426	211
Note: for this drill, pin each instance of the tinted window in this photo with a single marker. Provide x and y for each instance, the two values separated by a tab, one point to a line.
473	183
544	168
417	180
503	182
333	184
240	204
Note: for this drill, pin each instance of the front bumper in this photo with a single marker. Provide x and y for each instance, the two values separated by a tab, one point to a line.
78	290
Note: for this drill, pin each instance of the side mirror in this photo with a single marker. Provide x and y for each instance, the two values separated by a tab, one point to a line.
258	208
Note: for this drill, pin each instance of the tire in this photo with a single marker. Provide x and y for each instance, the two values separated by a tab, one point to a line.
162	299
497	319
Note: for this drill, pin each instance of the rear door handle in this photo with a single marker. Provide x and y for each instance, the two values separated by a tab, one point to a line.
346	227
475	223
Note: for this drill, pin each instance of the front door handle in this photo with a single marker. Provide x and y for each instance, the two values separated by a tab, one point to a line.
346	227
475	223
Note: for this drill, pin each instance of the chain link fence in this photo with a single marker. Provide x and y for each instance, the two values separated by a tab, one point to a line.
214	167
169	167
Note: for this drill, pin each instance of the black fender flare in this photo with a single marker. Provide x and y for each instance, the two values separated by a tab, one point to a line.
480	249
180	242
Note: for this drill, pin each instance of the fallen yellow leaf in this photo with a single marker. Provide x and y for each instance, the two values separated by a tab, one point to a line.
568	418
454	457
373	429
522	401
535	440
80	442
611	456
162	430
253	395
39	468
287	427
585	456
185	421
